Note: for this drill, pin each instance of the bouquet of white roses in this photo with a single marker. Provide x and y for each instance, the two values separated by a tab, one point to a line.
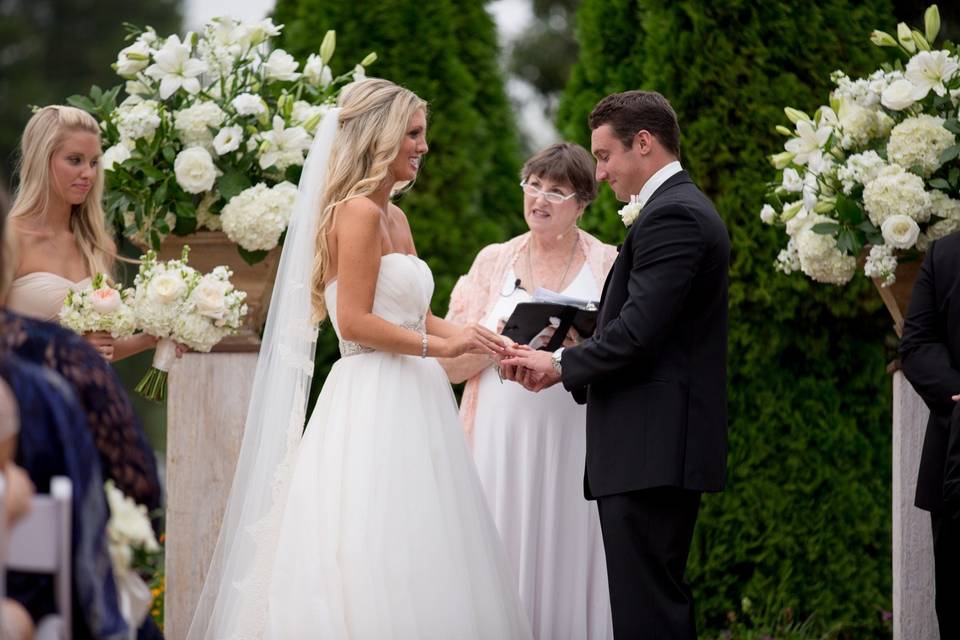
213	117
877	166
128	532
175	303
102	306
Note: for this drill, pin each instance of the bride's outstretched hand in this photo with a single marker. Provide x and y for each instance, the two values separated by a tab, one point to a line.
475	338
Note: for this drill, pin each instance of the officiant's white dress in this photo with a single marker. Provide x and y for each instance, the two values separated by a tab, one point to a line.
385	531
529	449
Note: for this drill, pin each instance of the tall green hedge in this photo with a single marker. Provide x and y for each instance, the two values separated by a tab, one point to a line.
804	522
466	195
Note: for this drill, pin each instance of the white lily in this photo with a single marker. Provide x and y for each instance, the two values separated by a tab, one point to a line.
281	66
931	70
132	60
281	141
174	68
808	145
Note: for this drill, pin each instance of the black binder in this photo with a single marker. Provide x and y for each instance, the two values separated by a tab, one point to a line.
530	318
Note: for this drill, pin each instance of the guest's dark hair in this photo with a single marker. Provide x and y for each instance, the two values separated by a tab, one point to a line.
632	111
566	163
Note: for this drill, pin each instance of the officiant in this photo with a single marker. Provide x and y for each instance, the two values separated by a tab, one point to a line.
529	448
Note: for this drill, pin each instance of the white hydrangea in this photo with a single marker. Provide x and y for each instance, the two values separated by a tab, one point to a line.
864	92
859	125
256	217
128	528
881	264
138	120
796	217
895	191
820	258
860	169
787	260
248	104
193	124
919	141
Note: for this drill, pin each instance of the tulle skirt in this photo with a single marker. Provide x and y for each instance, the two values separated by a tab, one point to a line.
385	531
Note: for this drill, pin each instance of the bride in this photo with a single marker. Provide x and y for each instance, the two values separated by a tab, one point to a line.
374	524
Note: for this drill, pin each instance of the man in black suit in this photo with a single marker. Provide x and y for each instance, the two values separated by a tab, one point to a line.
653	375
930	357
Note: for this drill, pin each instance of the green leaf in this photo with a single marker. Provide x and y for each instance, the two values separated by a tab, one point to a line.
939	183
848	211
252	257
825	228
169	154
185	209
292	174
954	175
82	102
848	243
952	125
185	226
950	154
232	183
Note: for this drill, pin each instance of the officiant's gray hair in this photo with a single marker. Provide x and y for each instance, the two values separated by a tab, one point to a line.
629	112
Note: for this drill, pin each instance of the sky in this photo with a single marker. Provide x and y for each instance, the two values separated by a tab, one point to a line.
511	17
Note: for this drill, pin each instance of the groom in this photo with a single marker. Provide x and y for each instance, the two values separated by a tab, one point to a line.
653	375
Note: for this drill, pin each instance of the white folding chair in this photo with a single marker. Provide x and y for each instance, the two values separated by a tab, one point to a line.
40	543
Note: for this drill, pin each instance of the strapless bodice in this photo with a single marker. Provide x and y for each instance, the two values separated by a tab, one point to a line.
41	294
404	289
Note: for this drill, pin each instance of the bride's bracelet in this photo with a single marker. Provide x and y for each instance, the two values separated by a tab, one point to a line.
423	344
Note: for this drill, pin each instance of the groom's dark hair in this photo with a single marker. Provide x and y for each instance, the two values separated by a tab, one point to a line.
633	111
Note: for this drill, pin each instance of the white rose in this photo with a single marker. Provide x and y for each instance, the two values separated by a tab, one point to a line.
210	298
899	95
228	140
194	170
900	231
281	66
117	154
792	181
630	212
105	300
167	288
248	104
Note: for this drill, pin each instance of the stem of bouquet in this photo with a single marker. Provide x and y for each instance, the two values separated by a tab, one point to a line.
153	386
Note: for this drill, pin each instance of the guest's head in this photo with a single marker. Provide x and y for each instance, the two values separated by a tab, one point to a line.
634	134
558	184
380	142
60	171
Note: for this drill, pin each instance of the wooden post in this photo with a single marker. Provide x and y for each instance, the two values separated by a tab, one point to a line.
206	410
914	616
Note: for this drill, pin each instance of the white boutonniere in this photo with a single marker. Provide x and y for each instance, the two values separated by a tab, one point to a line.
631	211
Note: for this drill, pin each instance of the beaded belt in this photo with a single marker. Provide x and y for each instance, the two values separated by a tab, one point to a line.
348	348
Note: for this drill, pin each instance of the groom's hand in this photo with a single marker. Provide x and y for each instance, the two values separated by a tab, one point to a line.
956	398
536	371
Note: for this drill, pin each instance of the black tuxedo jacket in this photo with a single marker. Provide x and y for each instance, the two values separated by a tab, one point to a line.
930	357
653	375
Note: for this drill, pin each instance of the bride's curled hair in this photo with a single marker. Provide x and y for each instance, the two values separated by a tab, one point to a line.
374	115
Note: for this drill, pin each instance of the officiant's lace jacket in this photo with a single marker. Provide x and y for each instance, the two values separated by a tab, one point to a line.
476	293
125	455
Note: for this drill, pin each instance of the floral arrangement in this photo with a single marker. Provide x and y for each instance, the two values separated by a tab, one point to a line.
876	167
174	302
129	534
102	306
209	118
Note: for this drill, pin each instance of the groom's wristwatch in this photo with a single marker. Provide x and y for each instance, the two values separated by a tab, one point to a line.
555	359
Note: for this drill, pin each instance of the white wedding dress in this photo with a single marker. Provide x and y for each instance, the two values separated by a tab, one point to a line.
385	532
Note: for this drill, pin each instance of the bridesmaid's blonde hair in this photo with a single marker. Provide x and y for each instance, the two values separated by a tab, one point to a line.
374	115
42	137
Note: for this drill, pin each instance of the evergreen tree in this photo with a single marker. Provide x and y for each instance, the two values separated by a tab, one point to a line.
804	523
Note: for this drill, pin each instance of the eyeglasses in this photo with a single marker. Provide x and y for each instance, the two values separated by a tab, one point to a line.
550	196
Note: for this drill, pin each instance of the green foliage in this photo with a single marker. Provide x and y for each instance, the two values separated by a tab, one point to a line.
467	194
804	521
50	49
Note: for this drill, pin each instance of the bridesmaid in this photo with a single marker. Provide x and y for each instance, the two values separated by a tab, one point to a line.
57	221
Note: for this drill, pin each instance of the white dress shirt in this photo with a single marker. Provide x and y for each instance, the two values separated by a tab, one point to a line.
656	181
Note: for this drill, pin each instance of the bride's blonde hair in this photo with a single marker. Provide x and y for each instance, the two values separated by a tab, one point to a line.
374	115
43	136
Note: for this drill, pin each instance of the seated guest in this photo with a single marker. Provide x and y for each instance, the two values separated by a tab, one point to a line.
529	448
15	622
